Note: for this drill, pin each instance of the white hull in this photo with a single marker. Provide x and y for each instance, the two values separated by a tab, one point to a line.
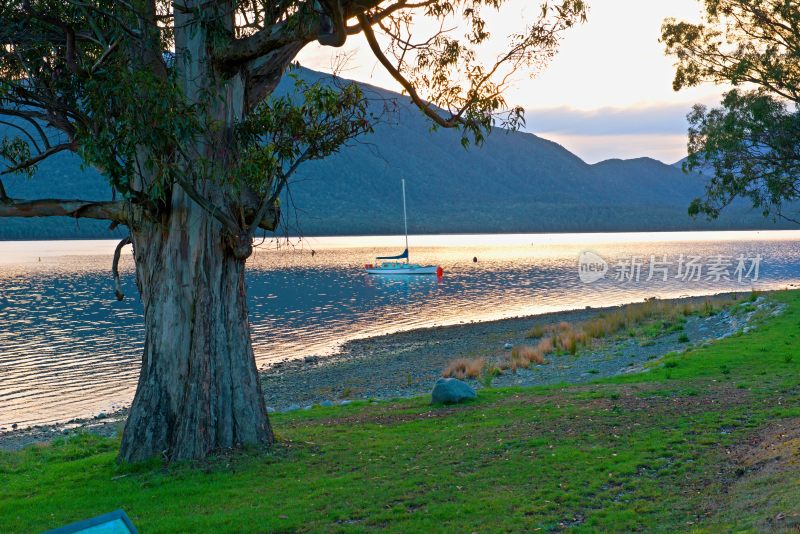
411	270
396	267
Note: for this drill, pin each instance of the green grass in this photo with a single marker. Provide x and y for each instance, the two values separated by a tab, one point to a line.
667	450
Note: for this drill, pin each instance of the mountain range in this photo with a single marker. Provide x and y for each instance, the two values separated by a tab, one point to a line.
516	182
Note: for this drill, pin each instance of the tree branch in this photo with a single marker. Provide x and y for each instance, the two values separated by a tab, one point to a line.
40	157
264	74
240	51
383	13
270	202
31	118
87	209
333	31
329	28
226	220
25	132
451	122
115	267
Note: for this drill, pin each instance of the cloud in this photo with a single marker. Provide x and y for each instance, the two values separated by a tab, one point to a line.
665	119
667	148
657	131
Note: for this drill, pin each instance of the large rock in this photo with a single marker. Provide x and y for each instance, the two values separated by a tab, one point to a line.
451	391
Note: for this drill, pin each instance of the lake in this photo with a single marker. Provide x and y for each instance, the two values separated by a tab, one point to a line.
69	349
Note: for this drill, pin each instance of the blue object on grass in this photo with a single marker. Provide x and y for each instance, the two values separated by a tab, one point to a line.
115	522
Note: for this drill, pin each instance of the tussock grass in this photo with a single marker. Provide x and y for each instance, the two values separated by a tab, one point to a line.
525	355
464	368
536	332
651	317
546	345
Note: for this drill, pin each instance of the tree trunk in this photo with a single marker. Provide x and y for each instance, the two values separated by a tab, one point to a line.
198	388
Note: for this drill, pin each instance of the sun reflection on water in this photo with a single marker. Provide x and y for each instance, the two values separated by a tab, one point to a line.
69	349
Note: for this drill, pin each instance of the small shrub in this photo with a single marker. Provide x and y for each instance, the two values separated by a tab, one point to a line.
671	364
683	338
490	372
487	380
677	327
788	358
747	308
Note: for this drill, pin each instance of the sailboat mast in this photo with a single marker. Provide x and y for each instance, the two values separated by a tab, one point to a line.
405	216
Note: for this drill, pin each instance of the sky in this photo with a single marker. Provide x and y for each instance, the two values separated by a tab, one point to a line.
607	94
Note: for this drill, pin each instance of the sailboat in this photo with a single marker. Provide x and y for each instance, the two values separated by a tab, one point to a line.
395	267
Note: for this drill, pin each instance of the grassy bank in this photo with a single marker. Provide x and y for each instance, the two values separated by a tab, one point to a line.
707	440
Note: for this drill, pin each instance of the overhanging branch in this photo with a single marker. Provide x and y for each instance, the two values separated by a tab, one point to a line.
110	211
450	122
327	25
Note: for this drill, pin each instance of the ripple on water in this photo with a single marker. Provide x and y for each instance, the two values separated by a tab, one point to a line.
68	349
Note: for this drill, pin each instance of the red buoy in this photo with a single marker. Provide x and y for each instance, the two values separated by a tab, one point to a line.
439	272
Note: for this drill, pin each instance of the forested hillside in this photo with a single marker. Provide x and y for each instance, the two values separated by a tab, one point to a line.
516	182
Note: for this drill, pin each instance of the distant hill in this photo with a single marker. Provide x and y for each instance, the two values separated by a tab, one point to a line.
516	182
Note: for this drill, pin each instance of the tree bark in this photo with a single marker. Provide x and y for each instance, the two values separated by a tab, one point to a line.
198	387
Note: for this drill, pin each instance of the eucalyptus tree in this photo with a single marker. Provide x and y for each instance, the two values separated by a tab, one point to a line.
173	103
752	141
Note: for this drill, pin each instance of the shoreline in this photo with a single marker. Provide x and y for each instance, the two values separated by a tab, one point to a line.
407	363
108	423
103	236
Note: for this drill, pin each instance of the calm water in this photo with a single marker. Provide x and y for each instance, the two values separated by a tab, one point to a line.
69	349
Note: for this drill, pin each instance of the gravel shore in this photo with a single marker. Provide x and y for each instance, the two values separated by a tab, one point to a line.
407	364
